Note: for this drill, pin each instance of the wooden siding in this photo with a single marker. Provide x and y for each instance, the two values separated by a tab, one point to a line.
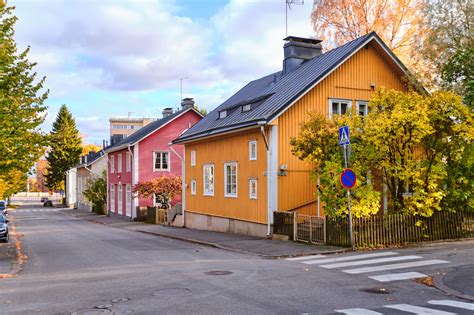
352	80
233	148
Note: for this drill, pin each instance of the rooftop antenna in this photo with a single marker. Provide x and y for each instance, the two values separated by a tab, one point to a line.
288	6
129	114
181	80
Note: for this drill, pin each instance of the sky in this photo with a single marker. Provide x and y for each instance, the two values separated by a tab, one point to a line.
106	58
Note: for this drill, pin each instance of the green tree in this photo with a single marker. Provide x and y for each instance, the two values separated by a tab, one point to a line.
418	143
21	106
65	151
96	193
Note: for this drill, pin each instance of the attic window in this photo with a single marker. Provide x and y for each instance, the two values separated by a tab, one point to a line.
246	108
222	114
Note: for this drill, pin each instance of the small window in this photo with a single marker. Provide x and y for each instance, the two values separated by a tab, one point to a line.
230	178
208	180
193	187
128	197
112	164
193	158
362	108
128	162
157	201
119	197
253	150
222	114
253	189
119	163
246	108
161	161
339	107
112	197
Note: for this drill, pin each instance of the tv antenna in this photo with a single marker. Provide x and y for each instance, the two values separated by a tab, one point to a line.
288	6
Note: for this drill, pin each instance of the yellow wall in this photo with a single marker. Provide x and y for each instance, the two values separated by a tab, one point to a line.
217	152
351	80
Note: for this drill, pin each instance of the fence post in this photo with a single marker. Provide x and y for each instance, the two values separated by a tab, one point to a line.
324	229
295	226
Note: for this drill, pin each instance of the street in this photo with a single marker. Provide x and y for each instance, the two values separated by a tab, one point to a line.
75	266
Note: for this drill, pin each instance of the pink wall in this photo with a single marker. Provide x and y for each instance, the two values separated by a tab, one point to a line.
159	141
119	178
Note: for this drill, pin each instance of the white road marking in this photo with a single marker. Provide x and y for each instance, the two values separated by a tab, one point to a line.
396	266
304	257
398	276
357	311
464	305
417	309
346	258
368	262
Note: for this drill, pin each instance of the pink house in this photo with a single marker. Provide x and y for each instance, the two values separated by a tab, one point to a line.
144	155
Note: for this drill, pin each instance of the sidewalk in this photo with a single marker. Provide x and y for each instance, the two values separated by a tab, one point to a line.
240	243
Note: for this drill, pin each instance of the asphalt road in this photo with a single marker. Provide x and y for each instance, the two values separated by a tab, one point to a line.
75	266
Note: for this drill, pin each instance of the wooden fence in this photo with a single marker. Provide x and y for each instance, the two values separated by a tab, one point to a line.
386	230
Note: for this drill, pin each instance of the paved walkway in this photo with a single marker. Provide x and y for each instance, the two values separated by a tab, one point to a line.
241	243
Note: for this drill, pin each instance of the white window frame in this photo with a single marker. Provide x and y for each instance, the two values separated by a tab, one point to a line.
161	159
211	191
193	187
155	204
253	195
226	194
252	143
222	114
112	164
366	103
112	197
128	162
119	198
128	199
193	157
246	108
119	163
338	100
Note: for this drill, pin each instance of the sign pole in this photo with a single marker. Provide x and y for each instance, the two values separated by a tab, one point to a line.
345	142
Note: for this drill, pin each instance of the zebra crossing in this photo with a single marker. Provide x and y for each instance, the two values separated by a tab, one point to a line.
433	307
371	263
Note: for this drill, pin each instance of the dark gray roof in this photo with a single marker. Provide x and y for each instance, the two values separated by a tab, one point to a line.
91	158
147	129
276	90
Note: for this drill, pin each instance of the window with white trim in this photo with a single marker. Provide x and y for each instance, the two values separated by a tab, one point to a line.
253	150
208	176
112	164
119	197
193	158
362	108
339	107
128	162
112	197
157	201
222	114
128	197
162	161
119	163
246	108
252	189
230	179
193	187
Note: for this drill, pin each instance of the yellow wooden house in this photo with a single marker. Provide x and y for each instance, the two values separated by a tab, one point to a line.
238	165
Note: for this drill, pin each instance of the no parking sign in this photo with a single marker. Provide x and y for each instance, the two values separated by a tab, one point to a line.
348	178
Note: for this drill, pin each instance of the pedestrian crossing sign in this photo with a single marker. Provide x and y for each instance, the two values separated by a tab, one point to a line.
344	136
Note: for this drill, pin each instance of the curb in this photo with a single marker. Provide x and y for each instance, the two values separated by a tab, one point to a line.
211	244
16	264
439	284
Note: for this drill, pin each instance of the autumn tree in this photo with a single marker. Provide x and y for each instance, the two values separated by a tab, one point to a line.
87	148
400	23
21	107
96	193
165	188
412	140
65	145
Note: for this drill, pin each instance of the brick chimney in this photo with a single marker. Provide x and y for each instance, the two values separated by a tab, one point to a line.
187	103
298	50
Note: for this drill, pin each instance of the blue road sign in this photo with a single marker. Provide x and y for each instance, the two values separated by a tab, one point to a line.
348	178
344	136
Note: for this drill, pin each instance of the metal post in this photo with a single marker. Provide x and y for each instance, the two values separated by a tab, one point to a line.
346	160
295	226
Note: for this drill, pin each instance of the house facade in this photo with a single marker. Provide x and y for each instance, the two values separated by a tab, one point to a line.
92	166
239	168
145	155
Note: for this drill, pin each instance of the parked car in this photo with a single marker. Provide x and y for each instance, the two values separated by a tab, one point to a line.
48	203
4	236
3	207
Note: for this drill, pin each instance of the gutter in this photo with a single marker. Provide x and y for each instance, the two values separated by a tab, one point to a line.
183	179
131	170
262	125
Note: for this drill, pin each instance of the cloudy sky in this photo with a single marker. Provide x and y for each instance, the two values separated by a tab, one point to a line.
111	57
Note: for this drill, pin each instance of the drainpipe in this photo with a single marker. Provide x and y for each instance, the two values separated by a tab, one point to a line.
267	145
133	210
183	179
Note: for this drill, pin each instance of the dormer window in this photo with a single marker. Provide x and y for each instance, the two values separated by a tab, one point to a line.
222	114
246	108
